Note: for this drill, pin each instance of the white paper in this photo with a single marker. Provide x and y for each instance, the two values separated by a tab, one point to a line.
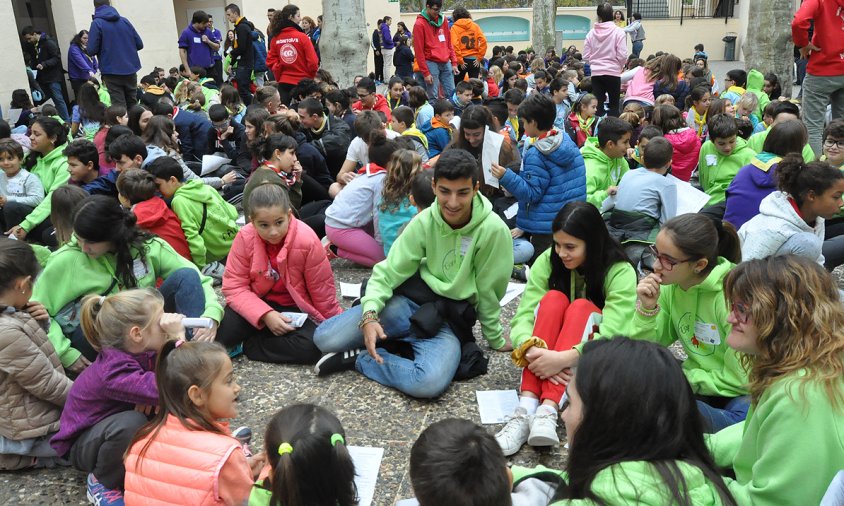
511	211
210	163
607	204
689	198
834	495
49	102
408	502
513	291
296	319
240	221
488	177
495	405
14	116
351	290
367	464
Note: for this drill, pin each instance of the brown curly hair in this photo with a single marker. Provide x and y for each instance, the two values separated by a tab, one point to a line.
400	173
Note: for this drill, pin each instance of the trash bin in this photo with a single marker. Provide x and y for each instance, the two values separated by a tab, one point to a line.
730	46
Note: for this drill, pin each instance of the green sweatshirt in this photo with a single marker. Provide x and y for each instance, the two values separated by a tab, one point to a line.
718	170
757	142
619	292
471	263
70	274
51	169
601	171
788	449
755	83
698	318
215	240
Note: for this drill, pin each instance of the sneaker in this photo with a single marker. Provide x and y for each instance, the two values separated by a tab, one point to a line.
521	272
330	249
101	496
335	362
244	437
215	270
543	429
515	433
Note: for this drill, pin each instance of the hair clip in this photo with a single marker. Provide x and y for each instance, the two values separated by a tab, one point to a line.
284	448
337	438
180	342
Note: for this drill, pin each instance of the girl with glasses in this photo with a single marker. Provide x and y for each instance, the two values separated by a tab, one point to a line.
683	300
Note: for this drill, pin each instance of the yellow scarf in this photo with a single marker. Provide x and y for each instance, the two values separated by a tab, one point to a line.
700	121
585	125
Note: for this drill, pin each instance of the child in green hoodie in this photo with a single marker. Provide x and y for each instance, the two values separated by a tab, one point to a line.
787	320
605	162
683	299
721	157
458	252
207	220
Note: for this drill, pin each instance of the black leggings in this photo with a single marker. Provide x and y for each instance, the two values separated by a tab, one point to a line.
610	86
295	347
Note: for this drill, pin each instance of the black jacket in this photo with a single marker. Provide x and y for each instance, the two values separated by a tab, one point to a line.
313	163
403	60
48	56
332	143
229	146
244	53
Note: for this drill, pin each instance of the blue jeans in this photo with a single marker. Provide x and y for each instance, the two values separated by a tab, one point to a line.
443	75
716	419
522	250
54	91
435	358
637	48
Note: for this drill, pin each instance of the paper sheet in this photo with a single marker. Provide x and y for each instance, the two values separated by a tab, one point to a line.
834	495
240	221
210	163
513	291
367	464
511	211
296	319
408	502
351	290
495	405
14	116
689	198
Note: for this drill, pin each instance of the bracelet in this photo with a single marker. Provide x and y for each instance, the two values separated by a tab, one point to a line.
368	317
646	312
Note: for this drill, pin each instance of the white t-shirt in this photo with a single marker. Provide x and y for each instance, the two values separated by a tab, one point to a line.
359	152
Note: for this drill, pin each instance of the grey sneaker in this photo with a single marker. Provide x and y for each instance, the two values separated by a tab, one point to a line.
521	272
543	430
515	433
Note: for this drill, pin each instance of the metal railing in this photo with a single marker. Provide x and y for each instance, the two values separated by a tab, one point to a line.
682	9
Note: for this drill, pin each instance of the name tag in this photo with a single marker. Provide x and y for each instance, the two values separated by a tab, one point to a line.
707	333
197	40
511	211
711	160
139	269
465	242
441	37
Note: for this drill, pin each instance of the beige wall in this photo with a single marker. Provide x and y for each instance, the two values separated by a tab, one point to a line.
11	60
155	21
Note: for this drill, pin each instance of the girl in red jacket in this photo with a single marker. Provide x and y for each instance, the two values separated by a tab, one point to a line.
290	55
683	139
186	454
278	284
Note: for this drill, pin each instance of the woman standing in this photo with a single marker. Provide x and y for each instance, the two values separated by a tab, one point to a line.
605	49
290	55
401	33
80	66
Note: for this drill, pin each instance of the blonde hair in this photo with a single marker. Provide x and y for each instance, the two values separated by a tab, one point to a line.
401	170
664	99
105	321
630	117
749	102
497	74
636	108
794	305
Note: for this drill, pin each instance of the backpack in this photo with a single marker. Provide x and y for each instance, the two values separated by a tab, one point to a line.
260	47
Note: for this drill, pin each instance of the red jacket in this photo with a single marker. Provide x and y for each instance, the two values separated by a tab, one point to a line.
686	146
291	56
302	265
828	35
381	104
492	87
154	215
432	43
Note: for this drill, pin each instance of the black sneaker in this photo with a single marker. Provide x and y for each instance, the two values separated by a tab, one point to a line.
336	362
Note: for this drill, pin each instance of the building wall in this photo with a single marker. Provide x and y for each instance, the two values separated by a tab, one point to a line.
11	61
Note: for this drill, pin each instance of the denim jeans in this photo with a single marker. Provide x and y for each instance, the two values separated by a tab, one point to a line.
522	250
443	75
716	419
637	49
435	358
54	91
818	91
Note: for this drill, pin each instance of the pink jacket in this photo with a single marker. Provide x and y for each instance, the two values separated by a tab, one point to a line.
686	152
640	87
605	49
302	265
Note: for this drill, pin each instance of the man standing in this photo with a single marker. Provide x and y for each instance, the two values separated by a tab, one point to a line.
387	48
217	74
197	45
637	34
47	63
243	54
376	51
434	52
824	81
116	43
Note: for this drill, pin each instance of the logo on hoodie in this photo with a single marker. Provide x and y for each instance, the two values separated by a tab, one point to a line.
288	53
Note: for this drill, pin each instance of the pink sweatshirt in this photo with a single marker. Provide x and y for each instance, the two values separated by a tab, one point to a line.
639	87
605	49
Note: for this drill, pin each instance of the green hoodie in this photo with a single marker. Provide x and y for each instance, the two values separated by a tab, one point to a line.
215	239
757	142
717	170
755	84
471	263
619	291
601	171
434	22
697	317
788	449
51	169
70	274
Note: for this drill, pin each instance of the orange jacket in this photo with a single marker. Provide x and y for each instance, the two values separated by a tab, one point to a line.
468	40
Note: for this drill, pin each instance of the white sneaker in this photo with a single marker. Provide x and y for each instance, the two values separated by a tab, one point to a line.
515	433
543	429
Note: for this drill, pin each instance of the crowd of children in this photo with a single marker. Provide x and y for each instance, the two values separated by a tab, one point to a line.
116	348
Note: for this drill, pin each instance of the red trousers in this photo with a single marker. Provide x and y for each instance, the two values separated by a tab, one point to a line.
561	324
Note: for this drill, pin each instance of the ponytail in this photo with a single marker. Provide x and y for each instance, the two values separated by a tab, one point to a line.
52	128
277	141
105	320
797	178
699	236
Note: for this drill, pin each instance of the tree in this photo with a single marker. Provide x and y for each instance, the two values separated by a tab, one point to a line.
770	50
542	32
344	44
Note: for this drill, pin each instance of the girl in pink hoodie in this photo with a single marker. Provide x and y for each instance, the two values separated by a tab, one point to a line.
278	284
684	140
605	49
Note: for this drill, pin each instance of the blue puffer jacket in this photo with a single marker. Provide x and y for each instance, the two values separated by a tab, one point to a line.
115	42
552	174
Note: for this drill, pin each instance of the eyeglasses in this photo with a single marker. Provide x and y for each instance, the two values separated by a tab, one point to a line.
741	311
364	97
220	124
839	144
435	7
667	262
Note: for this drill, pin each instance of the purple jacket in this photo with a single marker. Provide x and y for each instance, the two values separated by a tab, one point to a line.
754	182
387	43
115	382
79	64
